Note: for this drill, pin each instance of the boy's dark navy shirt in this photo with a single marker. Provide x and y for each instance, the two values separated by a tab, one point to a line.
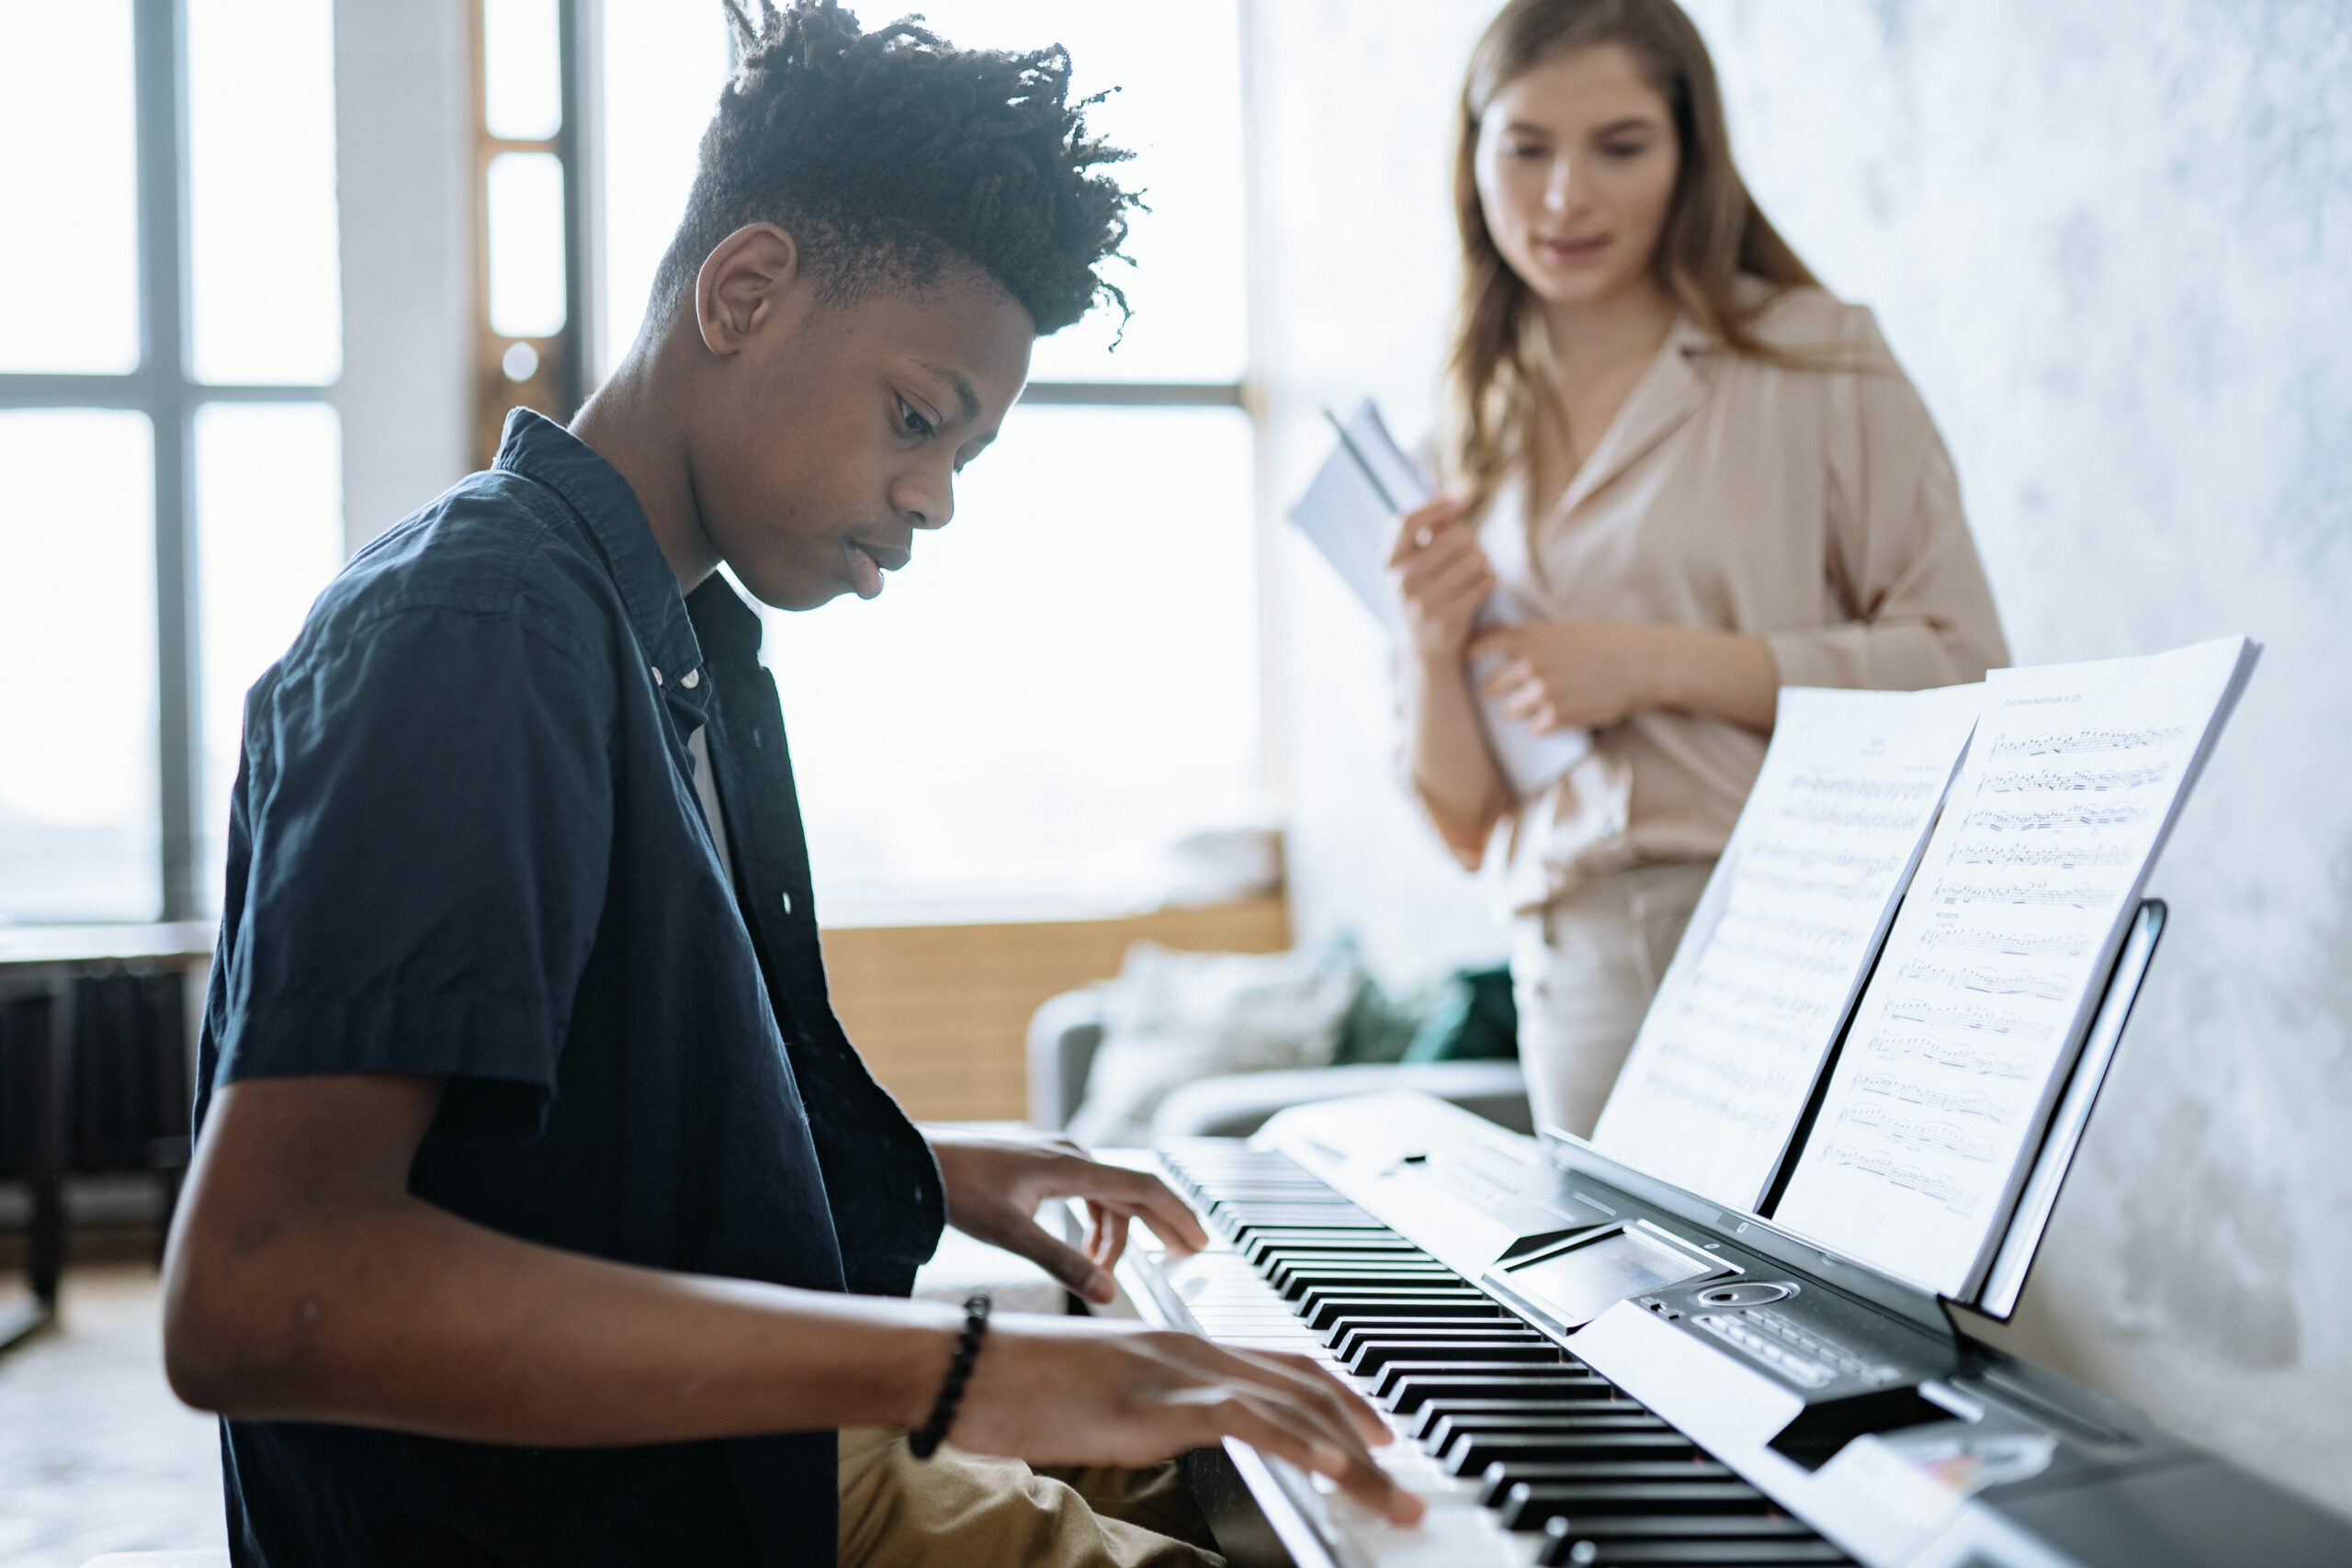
465	841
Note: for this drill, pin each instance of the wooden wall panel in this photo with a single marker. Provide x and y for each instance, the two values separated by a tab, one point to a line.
941	1013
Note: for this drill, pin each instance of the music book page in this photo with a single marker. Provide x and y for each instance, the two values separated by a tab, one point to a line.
1783	935
1996	963
1348	510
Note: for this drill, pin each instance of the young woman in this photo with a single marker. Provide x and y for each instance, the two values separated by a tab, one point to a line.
1693	475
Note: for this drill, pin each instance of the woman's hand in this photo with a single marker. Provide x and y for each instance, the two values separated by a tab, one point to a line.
1079	1390
1441	576
1591	674
995	1185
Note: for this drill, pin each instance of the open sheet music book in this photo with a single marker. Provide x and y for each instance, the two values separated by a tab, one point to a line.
1991	936
1347	511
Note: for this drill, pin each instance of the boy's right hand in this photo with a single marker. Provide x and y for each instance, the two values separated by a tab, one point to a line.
1070	1391
1441	576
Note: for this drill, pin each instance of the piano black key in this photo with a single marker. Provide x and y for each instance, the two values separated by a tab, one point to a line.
1528	1506
1278	1269
1501	1479
1406	1299
1397	1374
1732	1554
1344	1337
1368	1359
1299	1285
1474	1453
1355	1341
1535	1386
1609	1528
1441	1432
1293	1285
1333	1311
1436	1410
1305	1240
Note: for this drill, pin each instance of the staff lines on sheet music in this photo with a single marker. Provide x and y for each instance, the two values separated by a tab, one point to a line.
1955	1102
1991	982
1768	1034
1841	787
1951	1195
1960	1058
2058	858
1735	1077
1740	1112
1867	864
1764	997
1820	933
2054	817
1843	890
1856	820
2054	781
1975	939
1912	1132
2074	742
1968	1016
1744	1026
2044	893
1768	953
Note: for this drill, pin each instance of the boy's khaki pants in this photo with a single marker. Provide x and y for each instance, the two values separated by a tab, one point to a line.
960	1510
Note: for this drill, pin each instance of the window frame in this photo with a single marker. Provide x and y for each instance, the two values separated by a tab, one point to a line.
163	388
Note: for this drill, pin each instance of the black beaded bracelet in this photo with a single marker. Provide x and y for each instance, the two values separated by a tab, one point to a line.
925	1443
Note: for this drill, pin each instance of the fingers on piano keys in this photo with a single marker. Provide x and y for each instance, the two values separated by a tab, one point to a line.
1545	1443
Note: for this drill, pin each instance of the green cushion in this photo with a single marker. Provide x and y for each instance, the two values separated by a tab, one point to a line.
1475	1019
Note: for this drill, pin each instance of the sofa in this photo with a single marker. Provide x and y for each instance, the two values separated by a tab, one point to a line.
1065	1033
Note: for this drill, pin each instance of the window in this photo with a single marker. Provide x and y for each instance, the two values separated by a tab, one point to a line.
175	471
528	213
1065	681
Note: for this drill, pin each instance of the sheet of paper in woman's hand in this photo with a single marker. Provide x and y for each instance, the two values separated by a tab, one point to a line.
1348	512
1353	504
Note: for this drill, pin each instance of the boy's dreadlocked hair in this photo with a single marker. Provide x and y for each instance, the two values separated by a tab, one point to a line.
887	154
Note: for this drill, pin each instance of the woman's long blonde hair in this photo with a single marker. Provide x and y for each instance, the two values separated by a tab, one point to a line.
1713	231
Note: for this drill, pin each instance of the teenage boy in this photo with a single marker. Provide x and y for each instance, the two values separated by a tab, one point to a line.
534	1176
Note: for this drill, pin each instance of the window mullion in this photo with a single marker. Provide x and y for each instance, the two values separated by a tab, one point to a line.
159	34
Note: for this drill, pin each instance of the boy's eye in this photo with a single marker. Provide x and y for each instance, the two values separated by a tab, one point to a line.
911	421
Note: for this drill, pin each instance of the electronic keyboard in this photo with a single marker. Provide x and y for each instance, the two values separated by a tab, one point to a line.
1585	1365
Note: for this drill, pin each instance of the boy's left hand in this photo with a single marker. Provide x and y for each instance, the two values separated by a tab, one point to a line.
995	1185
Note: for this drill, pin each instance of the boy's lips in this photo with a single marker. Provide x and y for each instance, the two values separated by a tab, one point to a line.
869	562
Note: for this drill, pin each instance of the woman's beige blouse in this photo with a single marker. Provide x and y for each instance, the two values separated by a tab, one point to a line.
1815	509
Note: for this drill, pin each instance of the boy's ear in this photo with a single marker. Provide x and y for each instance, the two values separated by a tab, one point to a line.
749	281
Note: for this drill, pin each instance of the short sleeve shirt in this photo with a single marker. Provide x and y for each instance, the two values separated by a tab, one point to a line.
465	842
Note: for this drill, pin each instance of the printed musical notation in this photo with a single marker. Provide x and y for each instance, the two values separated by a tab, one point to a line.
1910	1132
1965	1015
2060	780
2075	742
1956	1102
1727	1056
1969	1059
1993	981
1986	981
2075	897
2053	857
1953	1197
2056	818
2016	945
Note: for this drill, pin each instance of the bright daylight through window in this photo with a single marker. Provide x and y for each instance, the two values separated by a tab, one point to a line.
175	495
1063	682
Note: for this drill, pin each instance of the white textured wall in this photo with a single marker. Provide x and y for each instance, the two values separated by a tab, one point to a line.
2113	244
404	183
